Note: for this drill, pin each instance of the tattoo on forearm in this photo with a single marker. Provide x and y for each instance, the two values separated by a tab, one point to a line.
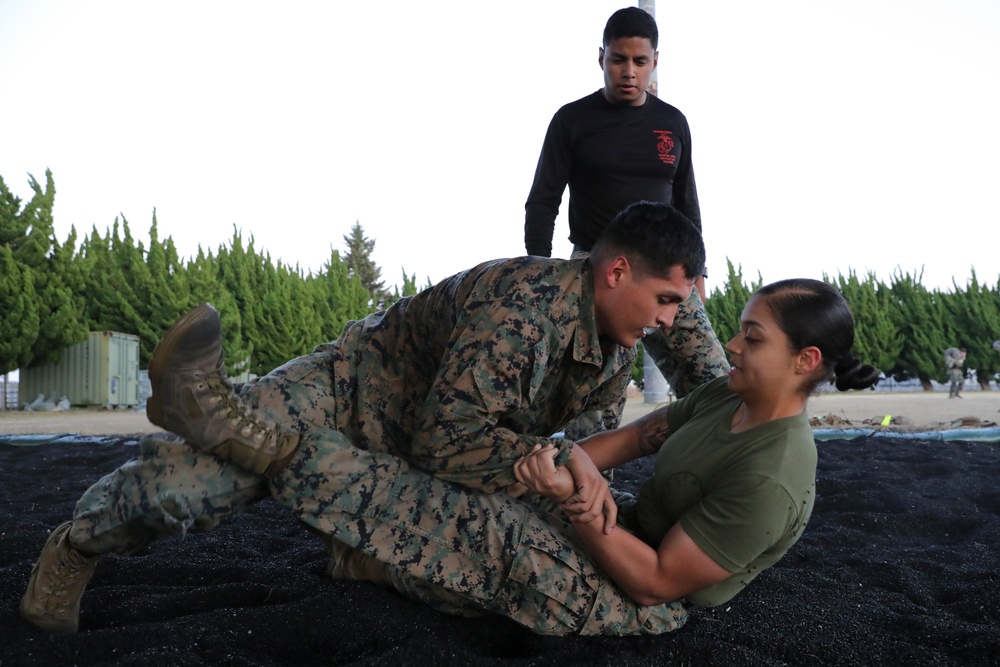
653	430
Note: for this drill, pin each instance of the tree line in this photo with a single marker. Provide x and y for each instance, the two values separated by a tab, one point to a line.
53	294
901	327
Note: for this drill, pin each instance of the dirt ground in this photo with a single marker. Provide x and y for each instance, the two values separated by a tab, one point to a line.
908	410
79	421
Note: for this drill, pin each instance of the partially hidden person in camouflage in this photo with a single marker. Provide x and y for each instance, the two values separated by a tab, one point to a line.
402	418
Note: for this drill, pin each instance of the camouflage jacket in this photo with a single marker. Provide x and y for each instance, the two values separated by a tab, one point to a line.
465	377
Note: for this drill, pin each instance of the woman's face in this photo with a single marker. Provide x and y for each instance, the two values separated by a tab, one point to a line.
763	363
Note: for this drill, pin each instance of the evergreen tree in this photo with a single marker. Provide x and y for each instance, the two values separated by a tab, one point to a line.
62	318
359	263
288	326
11	230
724	307
166	293
409	289
241	274
17	292
106	289
202	280
19	325
142	318
877	339
276	308
338	297
921	324
973	322
31	235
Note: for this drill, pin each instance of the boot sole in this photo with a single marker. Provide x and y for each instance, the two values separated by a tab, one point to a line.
163	351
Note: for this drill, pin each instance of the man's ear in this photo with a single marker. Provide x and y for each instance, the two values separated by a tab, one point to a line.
810	358
656	58
616	271
600	57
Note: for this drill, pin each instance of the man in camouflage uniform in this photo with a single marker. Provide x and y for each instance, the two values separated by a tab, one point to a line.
954	359
394	439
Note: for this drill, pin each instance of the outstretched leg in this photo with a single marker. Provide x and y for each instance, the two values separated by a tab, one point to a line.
170	489
176	486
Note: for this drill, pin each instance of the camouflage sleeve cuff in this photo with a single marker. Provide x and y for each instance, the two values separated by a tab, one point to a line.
565	446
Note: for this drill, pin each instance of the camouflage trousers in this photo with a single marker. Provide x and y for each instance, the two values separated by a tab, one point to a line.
956	378
688	353
459	550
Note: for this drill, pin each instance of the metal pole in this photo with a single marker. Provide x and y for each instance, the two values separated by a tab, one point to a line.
650	7
654	385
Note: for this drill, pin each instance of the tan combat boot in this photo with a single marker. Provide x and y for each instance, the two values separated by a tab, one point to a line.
57	583
352	564
192	397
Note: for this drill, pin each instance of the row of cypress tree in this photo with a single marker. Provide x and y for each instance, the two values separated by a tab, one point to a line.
53	294
901	327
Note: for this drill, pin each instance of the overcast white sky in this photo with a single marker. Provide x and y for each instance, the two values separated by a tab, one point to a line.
828	136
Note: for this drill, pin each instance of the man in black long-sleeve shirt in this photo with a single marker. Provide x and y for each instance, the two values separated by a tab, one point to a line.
614	147
611	155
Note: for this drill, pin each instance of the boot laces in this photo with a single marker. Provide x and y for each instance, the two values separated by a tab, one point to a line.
67	571
240	416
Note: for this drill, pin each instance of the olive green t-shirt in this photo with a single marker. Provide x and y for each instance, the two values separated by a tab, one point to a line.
744	498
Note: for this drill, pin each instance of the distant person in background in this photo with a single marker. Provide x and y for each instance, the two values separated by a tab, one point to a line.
954	359
613	147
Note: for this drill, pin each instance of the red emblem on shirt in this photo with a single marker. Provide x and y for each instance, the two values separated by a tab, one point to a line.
665	146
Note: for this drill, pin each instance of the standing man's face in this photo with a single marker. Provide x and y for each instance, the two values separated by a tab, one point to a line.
628	64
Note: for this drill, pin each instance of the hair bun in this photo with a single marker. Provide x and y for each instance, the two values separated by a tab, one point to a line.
852	374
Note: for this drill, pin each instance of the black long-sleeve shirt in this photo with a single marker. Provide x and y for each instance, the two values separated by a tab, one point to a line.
611	156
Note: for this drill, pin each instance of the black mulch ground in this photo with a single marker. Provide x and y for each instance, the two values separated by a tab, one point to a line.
900	565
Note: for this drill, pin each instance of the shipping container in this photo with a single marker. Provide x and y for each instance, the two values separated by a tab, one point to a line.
101	371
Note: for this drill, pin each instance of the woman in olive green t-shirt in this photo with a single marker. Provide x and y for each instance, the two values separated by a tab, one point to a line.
733	483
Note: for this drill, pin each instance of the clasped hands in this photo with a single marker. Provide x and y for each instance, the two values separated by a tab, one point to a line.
578	487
